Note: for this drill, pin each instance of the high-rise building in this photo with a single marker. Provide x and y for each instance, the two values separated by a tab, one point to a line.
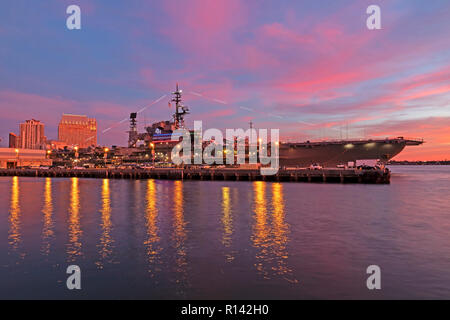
32	135
77	130
14	140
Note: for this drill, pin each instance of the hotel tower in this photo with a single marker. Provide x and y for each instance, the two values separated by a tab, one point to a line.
76	130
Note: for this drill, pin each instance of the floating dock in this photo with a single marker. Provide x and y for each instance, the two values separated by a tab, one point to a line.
371	176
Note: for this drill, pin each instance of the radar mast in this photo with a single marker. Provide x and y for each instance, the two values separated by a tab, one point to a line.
180	109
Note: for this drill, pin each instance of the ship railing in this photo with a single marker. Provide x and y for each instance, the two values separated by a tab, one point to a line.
421	140
418	140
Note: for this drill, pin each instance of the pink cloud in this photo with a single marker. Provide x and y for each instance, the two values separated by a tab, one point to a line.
278	33
435	131
202	24
49	110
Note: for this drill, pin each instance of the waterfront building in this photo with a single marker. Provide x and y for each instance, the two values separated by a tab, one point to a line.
56	145
77	130
15	157
14	140
32	135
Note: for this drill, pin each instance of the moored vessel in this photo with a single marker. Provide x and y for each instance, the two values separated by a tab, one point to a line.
158	138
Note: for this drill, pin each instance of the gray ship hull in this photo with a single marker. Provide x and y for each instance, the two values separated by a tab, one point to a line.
333	153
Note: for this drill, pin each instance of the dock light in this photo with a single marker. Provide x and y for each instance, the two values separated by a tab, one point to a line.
76	148
17	158
152	145
105	156
277	143
348	146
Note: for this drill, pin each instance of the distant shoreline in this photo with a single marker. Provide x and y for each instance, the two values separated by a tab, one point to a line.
419	163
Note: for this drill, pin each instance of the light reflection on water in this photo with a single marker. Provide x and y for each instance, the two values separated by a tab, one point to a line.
270	234
47	230
152	243
75	232
179	237
280	233
14	236
260	236
106	241
227	221
201	239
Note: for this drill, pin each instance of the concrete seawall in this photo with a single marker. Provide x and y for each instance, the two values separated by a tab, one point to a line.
372	176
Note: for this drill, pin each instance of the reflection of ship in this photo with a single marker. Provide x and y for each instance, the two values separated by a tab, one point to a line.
326	153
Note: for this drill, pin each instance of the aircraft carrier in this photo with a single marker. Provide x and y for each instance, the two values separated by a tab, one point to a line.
341	152
291	154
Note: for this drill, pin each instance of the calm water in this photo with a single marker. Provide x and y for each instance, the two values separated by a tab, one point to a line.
222	239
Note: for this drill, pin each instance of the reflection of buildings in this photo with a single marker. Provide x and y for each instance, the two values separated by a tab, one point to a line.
13	157
77	130
31	136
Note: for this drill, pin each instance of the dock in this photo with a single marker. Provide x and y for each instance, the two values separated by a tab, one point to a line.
331	175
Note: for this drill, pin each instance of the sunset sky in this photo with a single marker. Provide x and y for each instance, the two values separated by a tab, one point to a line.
310	68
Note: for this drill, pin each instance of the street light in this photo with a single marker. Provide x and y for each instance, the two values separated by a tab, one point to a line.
106	154
152	145
17	157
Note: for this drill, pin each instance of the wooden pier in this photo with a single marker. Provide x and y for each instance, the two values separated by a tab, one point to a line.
372	176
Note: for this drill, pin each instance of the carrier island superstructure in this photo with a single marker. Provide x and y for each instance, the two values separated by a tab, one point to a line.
157	137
